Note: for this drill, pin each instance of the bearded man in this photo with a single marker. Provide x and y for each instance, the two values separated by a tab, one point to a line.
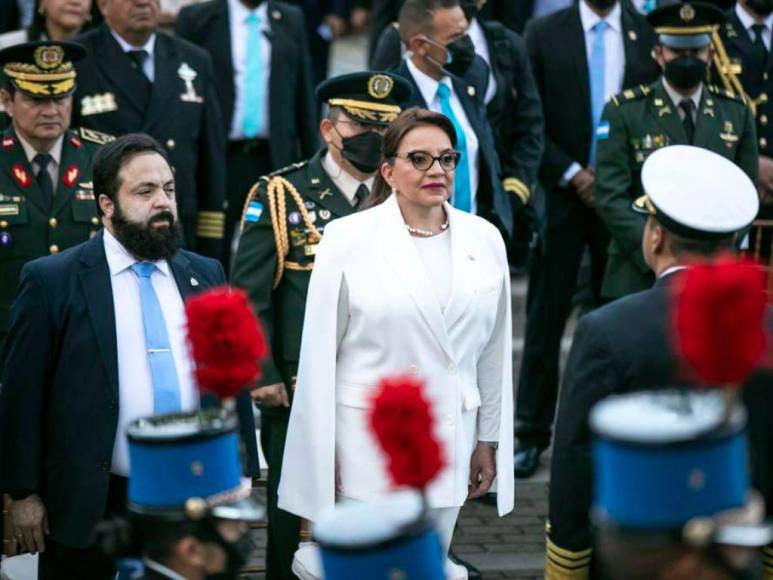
96	339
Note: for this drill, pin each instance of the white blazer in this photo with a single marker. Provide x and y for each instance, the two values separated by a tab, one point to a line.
371	312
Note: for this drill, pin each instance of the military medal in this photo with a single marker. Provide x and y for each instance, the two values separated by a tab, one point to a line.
21	176
81	195
310	205
325	193
6	239
71	175
294	218
728	135
7	143
312	216
325	214
96	104
75	142
188	75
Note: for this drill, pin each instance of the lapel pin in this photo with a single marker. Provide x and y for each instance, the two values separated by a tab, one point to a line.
471	91
276	15
632	35
325	193
194	282
315	181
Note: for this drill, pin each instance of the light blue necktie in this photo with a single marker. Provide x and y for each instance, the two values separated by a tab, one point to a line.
252	119
598	61
462	196
166	387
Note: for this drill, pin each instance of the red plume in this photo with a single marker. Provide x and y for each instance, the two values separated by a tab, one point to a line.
226	341
402	421
719	318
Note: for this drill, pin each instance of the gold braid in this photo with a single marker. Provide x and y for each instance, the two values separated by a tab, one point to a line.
726	72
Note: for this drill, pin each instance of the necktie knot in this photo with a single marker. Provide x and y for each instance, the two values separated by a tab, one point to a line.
252	19
143	269
138	56
42	160
443	92
601	27
361	194
688	106
758	30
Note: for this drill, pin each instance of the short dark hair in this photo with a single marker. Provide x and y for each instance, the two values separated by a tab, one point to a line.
416	16
682	246
113	156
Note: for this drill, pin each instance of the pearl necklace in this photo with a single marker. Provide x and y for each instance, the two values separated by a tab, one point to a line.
426	233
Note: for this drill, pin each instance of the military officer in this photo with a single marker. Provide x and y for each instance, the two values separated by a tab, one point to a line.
46	198
679	108
696	202
138	79
284	218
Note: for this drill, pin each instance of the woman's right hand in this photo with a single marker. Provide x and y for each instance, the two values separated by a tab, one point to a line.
271	395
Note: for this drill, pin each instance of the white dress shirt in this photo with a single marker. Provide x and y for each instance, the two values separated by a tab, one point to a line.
614	53
481	49
148	67
748	21
343	180
428	89
135	383
237	22
677	98
53	165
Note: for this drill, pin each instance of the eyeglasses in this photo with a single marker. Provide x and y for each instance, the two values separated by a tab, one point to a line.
422	160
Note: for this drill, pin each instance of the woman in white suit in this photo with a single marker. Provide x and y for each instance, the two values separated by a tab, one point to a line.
411	285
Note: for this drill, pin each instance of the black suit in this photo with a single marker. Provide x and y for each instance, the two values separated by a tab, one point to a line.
59	401
293	131
493	203
619	348
558	53
190	130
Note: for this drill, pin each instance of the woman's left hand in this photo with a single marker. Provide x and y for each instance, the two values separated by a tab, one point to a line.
483	470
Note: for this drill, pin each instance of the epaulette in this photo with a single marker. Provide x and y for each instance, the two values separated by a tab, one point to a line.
629	95
288	168
94	136
726	94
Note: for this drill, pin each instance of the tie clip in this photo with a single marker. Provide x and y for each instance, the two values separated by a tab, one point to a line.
158	350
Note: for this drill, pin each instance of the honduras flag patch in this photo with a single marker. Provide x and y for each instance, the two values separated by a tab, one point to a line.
602	131
254	211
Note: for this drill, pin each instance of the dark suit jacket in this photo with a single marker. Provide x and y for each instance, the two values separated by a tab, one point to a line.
493	202
556	46
191	132
293	129
59	398
622	347
515	112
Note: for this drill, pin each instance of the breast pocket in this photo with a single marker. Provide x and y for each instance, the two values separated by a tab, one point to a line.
84	208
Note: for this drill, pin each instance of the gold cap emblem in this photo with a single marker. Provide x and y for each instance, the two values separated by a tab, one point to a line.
49	57
379	86
687	13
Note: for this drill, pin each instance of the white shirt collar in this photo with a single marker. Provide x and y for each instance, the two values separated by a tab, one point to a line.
344	180
589	18
475	30
126	47
671	270
119	258
748	20
30	152
427	85
239	13
677	98
161	569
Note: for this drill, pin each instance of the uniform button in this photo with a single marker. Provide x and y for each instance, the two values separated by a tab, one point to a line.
170	144
763	142
53	223
763	119
95	221
763	98
452	369
53	249
3	224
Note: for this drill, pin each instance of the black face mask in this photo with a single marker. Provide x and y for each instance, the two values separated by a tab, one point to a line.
685	72
602	5
760	7
363	151
236	555
461	53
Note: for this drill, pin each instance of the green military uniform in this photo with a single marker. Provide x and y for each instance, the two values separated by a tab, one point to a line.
32	225
283	222
28	228
634	125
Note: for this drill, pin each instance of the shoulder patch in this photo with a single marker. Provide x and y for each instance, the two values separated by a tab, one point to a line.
254	211
726	94
94	136
630	95
288	169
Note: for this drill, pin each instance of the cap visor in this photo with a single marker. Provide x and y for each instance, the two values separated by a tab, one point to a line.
684	41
